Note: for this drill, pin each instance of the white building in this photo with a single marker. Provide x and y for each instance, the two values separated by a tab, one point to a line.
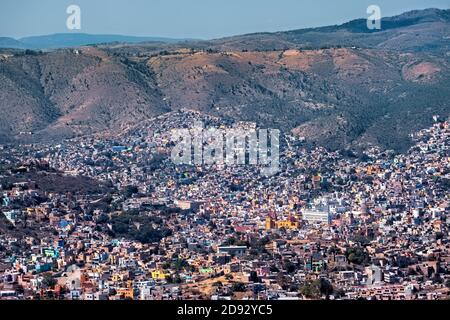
316	216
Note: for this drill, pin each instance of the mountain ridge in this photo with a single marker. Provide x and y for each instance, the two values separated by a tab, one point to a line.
68	40
340	96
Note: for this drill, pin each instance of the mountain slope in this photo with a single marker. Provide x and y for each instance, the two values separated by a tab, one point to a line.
330	96
425	30
71	92
339	96
11	43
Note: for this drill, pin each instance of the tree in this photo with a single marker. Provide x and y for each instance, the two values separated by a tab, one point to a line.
180	264
283	281
130	190
317	288
289	266
437	279
177	279
357	256
102	219
310	290
254	277
447	283
238	287
49	282
339	293
325	287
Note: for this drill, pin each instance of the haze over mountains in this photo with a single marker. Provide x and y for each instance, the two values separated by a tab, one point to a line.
67	40
340	86
417	30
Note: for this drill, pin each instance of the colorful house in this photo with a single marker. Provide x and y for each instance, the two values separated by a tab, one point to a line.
159	275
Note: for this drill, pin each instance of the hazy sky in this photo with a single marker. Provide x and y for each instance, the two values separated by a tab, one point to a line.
190	18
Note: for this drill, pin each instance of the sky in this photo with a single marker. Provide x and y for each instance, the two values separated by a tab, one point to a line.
200	19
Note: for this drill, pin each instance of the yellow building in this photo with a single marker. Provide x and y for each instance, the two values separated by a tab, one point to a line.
290	223
270	223
159	275
287	224
118	277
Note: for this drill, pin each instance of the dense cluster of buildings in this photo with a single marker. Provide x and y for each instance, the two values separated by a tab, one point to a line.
326	226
